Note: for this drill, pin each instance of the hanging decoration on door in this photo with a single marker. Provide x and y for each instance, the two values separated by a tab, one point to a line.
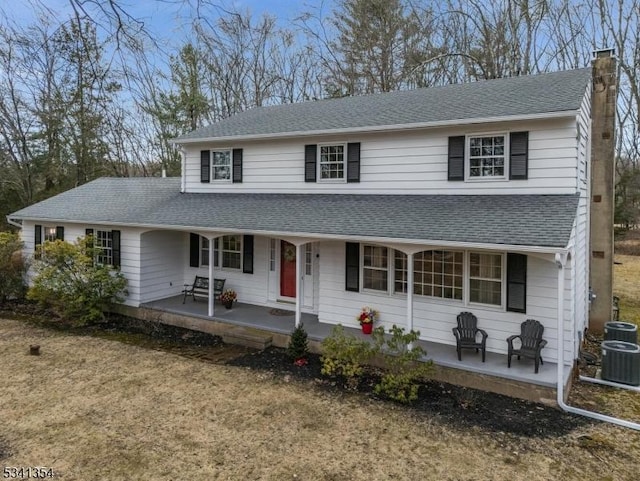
289	254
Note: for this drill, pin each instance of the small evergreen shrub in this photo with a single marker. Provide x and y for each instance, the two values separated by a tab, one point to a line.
298	348
12	267
70	282
344	355
404	370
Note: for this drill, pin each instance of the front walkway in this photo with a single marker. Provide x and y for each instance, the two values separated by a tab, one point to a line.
281	321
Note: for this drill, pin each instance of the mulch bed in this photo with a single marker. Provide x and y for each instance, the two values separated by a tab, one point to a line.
457	406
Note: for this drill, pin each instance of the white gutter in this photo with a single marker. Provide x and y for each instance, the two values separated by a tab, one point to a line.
312	236
380	128
560	262
12	222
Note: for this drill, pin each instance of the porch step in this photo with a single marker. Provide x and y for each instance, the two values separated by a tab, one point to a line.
247	337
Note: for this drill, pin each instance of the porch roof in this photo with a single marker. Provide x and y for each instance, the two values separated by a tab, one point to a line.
526	220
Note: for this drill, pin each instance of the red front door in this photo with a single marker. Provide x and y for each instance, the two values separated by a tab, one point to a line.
287	269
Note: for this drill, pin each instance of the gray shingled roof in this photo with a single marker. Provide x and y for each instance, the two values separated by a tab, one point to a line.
517	96
528	220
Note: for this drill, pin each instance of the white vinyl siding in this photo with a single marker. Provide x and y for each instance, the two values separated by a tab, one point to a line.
434	318
161	266
412	162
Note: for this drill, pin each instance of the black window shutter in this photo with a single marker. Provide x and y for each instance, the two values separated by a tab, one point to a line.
205	166
37	235
519	155
194	250
353	162
115	247
247	254
87	233
310	152
60	232
456	158
352	267
237	166
516	282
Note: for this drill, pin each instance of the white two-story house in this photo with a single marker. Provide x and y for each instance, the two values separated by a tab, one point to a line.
420	204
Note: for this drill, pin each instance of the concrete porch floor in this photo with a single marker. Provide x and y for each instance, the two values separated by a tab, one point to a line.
277	321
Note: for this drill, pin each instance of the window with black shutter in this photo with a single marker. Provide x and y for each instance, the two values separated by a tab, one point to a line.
194	250
247	254
353	162
205	166
310	152
516	282
456	158
519	155
237	166
352	266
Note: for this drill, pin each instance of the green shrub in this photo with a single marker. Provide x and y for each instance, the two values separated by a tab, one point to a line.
404	370
12	267
68	280
298	348
344	355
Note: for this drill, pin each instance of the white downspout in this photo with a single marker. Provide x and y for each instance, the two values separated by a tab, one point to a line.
561	259
211	279
183	173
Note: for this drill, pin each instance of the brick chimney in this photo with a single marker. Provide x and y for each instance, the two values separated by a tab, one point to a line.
603	115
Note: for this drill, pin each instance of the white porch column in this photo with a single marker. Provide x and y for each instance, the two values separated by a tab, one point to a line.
299	279
409	292
211	299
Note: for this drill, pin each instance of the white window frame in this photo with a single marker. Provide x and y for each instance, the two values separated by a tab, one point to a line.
503	275
205	248
341	180
394	271
213	167
363	267
467	157
222	251
272	254
49	233
105	253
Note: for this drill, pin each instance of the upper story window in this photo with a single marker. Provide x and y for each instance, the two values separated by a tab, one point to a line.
491	156
487	156
221	165
332	162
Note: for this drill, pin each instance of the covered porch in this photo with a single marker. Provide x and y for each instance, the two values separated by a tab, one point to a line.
281	321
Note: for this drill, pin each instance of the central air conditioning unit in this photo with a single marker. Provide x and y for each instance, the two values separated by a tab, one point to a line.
621	362
621	331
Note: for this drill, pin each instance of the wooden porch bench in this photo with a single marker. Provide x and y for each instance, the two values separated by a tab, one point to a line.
200	288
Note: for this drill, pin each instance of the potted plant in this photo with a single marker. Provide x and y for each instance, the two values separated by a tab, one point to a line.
366	318
228	297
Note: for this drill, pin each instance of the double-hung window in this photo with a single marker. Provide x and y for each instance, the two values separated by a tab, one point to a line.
332	162
221	165
104	242
487	156
485	278
232	251
375	268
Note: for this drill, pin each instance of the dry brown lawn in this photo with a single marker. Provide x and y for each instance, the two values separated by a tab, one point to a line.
626	285
95	409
